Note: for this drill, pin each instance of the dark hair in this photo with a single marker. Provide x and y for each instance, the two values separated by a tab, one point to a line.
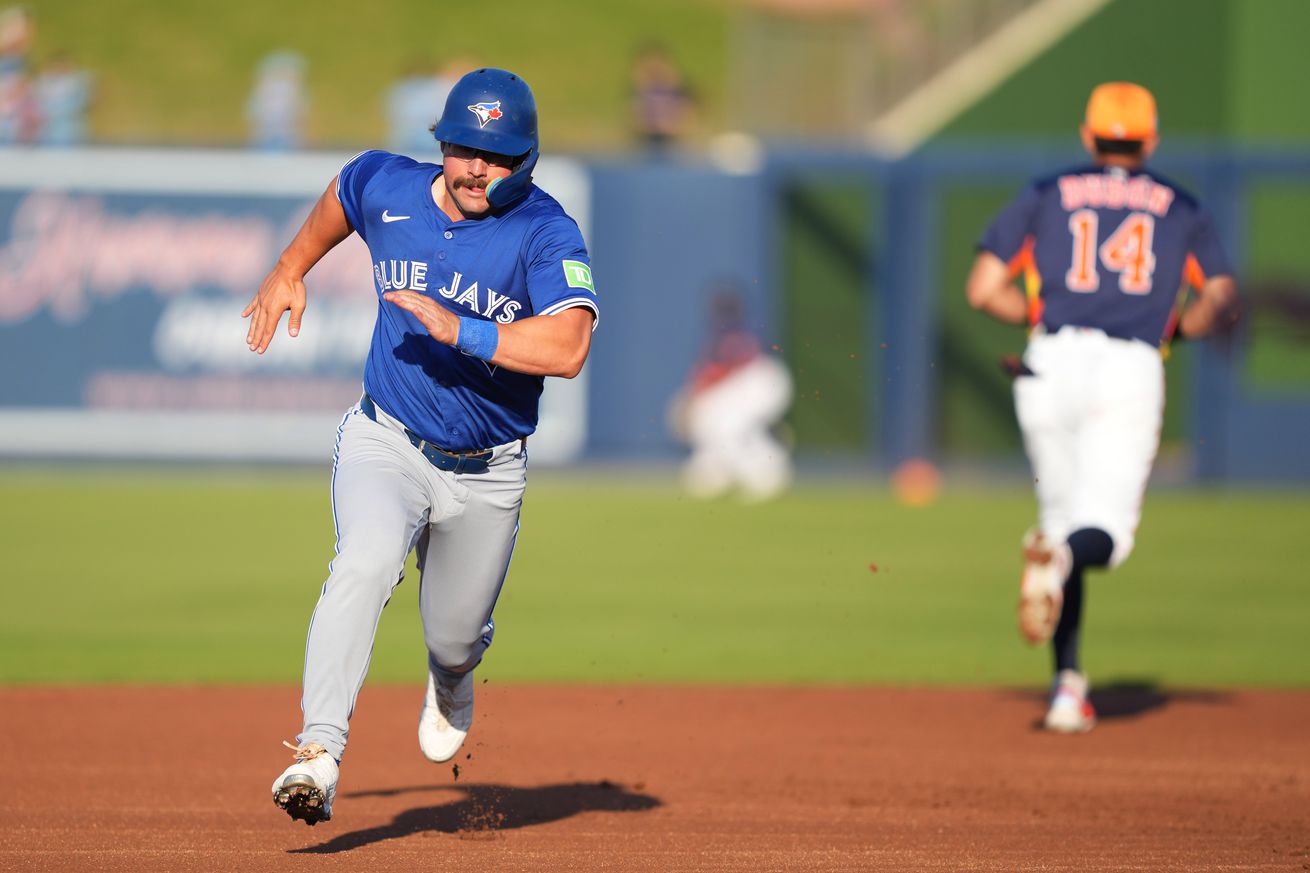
1129	147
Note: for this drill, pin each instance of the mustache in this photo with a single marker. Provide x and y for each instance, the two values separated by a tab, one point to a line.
470	182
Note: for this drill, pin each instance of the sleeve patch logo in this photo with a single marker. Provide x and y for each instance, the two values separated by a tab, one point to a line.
578	275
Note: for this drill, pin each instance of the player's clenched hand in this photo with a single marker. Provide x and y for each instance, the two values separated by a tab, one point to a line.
281	291
440	321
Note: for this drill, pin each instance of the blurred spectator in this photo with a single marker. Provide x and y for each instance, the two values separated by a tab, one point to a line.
414	103
61	95
735	397
17	118
662	102
278	104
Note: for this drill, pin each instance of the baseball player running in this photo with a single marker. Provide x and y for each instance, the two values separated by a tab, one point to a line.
1108	251
484	287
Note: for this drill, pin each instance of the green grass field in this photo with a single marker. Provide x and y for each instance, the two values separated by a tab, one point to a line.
157	576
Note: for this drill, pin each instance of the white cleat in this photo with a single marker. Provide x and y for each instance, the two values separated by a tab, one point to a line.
446	717
1041	593
1071	712
306	788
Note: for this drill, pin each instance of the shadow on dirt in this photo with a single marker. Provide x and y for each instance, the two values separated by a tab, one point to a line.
486	809
1129	698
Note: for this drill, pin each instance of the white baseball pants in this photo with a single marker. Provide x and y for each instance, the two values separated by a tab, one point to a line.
387	500
1091	418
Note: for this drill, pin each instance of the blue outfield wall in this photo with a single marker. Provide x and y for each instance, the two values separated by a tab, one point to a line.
662	231
122	275
662	234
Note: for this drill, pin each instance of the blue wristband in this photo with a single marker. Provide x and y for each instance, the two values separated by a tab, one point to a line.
478	337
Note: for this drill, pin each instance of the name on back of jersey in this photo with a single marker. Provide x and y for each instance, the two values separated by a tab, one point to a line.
1114	191
402	275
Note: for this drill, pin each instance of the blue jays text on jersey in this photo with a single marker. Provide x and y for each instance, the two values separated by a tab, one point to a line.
1108	249
413	276
528	260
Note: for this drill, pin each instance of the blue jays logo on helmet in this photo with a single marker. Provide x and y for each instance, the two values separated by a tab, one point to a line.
489	95
486	112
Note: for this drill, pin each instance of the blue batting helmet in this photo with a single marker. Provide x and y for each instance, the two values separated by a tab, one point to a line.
494	111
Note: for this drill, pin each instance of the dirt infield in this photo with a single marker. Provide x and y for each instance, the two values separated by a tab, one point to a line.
664	779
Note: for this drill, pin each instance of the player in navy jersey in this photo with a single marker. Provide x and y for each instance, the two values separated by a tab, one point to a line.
484	287
1108	252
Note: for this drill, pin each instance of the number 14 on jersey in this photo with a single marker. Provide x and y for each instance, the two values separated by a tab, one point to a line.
1127	251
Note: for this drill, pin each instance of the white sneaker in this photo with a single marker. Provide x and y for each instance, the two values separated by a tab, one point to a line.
1041	593
446	717
1071	712
306	788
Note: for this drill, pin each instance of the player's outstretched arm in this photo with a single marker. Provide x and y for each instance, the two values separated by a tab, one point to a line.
283	289
1213	309
989	289
544	345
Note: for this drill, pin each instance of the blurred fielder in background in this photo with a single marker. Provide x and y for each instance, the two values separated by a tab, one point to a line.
1108	251
734	399
485	288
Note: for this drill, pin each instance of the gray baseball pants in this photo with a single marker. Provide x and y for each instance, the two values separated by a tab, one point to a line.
388	499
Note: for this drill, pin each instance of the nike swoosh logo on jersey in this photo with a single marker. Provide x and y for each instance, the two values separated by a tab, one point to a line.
387	219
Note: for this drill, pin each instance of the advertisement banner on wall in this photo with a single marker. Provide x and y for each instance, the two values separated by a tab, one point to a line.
123	274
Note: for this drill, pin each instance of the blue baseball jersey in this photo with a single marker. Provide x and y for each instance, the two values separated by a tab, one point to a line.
1107	248
528	260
